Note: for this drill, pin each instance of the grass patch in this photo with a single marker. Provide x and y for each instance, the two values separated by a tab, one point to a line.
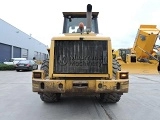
4	67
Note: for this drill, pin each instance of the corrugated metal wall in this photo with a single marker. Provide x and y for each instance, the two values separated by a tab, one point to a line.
12	36
36	54
24	53
40	56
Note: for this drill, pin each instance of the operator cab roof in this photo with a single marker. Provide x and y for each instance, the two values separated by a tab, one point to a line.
79	14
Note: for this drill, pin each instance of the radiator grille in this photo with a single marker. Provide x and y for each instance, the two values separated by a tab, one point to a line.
81	56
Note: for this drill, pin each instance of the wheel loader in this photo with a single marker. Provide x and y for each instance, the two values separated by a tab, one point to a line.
80	63
141	58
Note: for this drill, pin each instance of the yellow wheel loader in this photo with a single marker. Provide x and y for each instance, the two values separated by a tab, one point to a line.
140	59
80	63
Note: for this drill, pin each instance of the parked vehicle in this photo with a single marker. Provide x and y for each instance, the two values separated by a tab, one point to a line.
14	61
26	65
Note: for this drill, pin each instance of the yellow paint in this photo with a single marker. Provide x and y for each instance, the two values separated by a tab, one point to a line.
81	75
73	83
151	33
107	86
51	59
139	68
142	48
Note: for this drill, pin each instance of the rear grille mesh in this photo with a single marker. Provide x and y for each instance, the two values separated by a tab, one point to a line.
81	56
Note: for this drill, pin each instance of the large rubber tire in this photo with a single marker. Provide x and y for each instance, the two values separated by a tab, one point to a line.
112	97
48	97
159	66
37	67
45	67
31	68
115	67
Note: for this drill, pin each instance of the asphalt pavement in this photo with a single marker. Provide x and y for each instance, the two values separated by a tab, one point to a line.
18	102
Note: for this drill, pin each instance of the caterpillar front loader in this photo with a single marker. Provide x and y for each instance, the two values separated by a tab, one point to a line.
140	59
80	63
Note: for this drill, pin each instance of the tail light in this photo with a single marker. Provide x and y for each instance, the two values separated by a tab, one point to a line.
123	75
27	65
37	74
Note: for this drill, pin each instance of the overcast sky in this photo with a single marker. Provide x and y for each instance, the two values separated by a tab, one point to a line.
118	19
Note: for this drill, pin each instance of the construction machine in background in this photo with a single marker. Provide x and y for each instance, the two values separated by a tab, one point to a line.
156	54
80	63
141	58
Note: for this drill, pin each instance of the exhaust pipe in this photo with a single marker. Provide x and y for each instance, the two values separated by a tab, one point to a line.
89	18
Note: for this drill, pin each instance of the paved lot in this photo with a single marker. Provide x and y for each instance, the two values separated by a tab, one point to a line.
18	102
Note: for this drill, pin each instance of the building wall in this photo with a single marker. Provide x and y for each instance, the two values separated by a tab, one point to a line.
19	40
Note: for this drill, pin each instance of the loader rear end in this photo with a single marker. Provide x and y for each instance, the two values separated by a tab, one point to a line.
80	63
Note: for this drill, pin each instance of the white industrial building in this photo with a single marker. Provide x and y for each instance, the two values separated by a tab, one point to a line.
16	44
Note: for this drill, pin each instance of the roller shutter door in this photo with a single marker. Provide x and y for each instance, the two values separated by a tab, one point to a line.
24	53
16	52
5	52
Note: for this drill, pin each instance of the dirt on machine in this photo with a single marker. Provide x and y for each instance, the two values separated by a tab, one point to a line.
141	58
80	63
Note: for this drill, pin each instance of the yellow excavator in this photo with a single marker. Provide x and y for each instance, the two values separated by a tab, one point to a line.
141	58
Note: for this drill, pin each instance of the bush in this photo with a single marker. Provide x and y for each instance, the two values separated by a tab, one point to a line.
6	67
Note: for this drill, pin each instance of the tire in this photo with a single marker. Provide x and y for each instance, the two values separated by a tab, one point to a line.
116	67
45	67
112	97
48	97
37	67
30	68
